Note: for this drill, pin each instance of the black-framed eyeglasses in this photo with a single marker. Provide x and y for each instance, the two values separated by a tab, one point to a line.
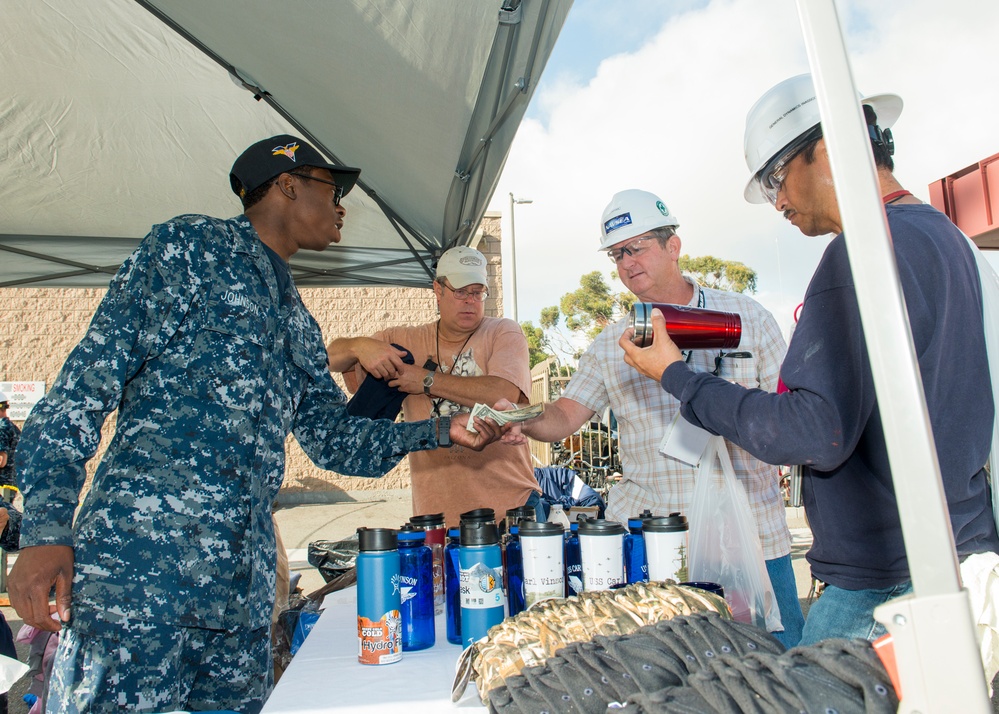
337	190
687	354
722	355
462	294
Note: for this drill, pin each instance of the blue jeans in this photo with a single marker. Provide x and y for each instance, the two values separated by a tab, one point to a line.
540	507
786	593
848	613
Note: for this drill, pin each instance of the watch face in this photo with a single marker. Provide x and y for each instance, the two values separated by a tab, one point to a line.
428	380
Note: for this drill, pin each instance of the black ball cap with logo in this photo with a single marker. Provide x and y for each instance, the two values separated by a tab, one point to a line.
279	154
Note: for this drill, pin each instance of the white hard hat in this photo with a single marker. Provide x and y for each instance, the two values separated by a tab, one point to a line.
632	213
3	397
787	111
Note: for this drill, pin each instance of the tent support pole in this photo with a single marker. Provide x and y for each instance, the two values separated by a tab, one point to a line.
933	630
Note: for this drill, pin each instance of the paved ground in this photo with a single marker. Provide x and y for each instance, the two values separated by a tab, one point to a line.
302	524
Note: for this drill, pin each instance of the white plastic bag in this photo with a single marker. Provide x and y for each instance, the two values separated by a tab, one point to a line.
725	544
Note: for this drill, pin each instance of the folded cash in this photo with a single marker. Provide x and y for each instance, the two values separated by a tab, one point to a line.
484	411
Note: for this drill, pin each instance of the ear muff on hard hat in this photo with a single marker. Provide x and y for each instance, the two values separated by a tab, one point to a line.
786	112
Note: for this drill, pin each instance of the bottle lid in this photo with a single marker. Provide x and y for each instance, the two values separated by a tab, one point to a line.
600	527
672	523
411	534
376	539
522	513
636	521
428	520
479	515
530	529
516	516
479	533
453	532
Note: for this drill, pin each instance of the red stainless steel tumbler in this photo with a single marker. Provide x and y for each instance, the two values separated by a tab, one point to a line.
691	328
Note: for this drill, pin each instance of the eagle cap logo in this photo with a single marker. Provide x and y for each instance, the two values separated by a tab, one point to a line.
288	150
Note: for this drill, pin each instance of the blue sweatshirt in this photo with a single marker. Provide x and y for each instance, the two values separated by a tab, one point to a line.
830	420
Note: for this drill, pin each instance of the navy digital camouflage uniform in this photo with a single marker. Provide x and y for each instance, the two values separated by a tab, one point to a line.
9	436
210	368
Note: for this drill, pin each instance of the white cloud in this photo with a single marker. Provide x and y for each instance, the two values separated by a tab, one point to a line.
669	118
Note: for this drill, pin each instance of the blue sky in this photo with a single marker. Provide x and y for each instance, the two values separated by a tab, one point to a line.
653	95
597	30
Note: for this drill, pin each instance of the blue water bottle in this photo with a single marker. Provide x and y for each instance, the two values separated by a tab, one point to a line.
573	561
379	620
452	590
513	559
514	571
416	589
481	575
636	564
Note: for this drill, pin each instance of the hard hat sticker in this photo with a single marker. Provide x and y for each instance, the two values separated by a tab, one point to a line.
617	222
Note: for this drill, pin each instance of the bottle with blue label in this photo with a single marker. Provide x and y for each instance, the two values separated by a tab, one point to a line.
416	589
379	617
636	564
573	561
481	574
452	589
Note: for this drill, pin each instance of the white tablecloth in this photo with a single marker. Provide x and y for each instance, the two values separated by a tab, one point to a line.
325	676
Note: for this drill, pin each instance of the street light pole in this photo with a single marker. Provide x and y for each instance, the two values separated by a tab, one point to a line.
513	253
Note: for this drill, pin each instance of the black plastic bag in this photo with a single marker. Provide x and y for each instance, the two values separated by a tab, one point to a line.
333	557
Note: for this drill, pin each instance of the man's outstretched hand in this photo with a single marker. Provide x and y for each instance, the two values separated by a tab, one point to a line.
486	432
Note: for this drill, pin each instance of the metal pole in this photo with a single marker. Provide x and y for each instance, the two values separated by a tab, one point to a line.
933	630
513	253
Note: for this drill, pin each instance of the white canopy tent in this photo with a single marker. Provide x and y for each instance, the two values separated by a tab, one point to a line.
119	114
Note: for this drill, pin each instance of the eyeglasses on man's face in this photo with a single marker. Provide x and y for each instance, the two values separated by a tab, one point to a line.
463	294
634	249
774	174
337	190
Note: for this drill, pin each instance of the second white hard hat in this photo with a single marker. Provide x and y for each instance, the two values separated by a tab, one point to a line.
632	213
784	113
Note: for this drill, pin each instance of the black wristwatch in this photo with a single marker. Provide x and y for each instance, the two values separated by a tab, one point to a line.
428	382
444	432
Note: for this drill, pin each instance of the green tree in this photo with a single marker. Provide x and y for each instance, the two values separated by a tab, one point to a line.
712	272
537	343
592	306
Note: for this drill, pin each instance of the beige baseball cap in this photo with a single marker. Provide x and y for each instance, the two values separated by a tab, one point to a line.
462	266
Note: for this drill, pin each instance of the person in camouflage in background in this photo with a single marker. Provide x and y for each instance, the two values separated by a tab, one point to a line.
9	436
166	579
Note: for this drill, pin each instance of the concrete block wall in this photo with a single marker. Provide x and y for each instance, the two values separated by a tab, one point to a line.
40	326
